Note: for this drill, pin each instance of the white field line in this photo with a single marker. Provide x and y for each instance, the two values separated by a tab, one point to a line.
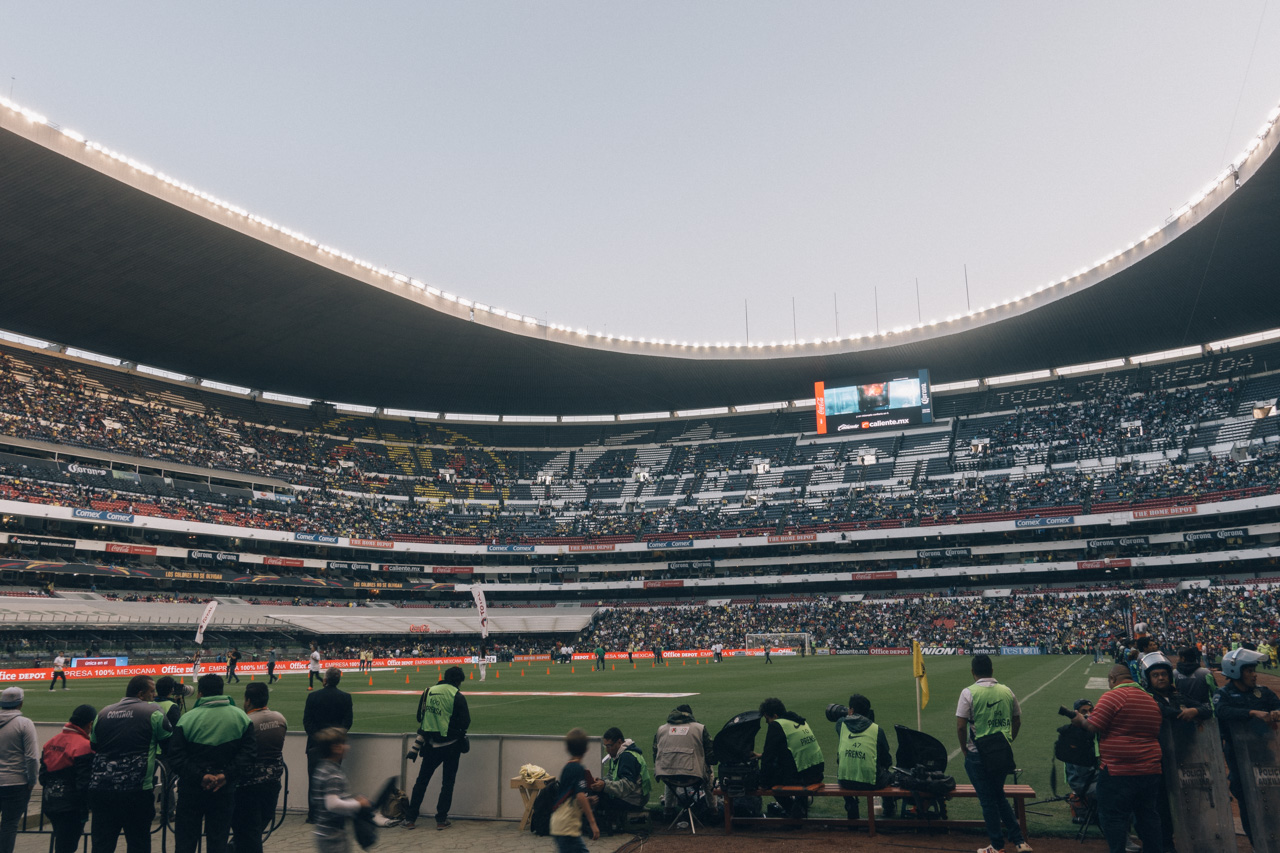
953	753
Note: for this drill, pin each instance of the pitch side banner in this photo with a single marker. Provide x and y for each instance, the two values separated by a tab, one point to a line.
509	549
1021	650
244	668
793	537
102	515
591	547
691	565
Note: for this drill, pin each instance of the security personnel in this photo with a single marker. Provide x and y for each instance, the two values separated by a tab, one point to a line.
791	756
443	720
1240	702
862	754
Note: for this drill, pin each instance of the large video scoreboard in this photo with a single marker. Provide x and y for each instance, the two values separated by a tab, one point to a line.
877	403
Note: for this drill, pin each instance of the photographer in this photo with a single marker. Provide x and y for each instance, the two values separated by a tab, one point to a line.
1082	745
171	696
862	753
987	709
443	720
1127	722
791	756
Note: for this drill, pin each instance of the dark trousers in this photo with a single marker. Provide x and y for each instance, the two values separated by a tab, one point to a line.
255	806
127	811
433	757
197	806
997	814
313	677
271	672
231	673
313	758
68	829
13	803
1125	799
853	805
56	676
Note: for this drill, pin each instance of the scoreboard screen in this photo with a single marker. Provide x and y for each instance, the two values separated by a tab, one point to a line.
873	403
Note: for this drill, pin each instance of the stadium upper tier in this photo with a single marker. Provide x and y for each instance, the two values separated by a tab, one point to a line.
155	448
101	252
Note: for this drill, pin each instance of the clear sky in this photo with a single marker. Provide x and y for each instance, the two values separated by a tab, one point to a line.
644	168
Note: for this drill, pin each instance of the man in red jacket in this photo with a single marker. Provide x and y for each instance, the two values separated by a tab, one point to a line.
65	766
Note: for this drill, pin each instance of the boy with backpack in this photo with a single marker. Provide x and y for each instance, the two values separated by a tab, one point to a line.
572	804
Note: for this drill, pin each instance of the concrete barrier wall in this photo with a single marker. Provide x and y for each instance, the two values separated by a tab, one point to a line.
483	788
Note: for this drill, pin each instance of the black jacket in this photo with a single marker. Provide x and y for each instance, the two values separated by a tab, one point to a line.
326	707
1233	706
1193	682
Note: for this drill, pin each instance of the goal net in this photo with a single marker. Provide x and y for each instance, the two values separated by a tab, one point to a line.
799	644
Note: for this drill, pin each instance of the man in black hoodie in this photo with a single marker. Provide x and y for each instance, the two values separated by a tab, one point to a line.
791	756
862	755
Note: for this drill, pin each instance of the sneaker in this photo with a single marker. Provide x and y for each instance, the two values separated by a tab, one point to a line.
409	825
443	824
775	810
990	849
1024	847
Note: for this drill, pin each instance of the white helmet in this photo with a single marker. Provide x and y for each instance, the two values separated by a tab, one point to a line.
1234	662
1154	659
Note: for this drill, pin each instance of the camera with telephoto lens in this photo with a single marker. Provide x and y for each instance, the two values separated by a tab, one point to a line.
1067	712
836	712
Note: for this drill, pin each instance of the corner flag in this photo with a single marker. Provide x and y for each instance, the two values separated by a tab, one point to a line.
922	680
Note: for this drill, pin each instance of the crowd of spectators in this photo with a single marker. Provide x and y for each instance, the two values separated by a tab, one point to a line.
1071	622
325	512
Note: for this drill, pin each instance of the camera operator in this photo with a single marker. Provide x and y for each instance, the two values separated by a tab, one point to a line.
1082	778
1238	702
862	752
443	720
1127	722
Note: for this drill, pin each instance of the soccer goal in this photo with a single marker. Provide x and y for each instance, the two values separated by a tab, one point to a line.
802	643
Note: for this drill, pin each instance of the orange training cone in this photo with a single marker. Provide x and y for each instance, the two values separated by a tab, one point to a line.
406	679
497	673
614	667
572	670
633	664
371	680
548	670
471	676
522	672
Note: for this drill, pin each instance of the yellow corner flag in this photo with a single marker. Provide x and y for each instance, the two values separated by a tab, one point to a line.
917	666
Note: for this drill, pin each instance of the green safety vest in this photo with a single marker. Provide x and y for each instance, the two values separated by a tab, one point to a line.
992	710
802	744
857	753
646	777
439	709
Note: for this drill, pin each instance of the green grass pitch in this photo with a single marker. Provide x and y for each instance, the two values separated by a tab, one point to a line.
720	691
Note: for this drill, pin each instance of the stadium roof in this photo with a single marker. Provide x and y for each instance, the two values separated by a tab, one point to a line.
100	252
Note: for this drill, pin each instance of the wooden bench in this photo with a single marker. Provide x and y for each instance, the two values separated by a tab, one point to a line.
1020	794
